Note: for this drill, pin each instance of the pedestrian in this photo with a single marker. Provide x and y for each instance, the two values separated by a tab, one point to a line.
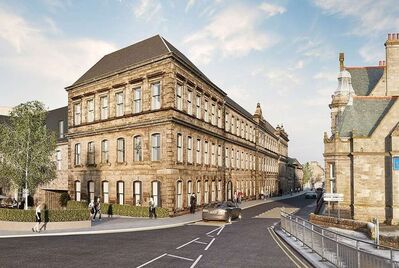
151	208
193	202
235	197
97	209
91	209
38	218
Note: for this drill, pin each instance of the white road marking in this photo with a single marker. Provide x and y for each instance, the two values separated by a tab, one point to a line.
210	243
199	242
221	229
152	260
196	261
187	243
208	233
179	257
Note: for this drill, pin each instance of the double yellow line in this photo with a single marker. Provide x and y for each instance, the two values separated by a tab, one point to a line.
286	250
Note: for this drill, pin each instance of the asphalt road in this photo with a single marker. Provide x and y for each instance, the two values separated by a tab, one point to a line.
244	243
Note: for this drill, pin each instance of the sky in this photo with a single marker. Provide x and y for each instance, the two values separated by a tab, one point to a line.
282	54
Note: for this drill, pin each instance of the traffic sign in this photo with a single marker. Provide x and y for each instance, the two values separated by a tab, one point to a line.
333	197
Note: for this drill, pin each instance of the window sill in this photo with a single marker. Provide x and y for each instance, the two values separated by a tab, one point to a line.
78	166
91	165
121	163
105	164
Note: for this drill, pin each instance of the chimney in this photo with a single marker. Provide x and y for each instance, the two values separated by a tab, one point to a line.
392	64
341	61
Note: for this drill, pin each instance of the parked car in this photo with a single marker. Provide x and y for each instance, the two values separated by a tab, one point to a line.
310	195
221	211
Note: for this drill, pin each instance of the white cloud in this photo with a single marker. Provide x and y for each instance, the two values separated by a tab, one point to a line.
147	9
190	3
33	51
272	10
324	75
314	48
370	16
220	37
372	53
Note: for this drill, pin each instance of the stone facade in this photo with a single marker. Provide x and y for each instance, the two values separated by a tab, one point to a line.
208	143
359	154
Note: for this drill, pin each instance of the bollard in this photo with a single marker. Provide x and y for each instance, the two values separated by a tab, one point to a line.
322	243
358	254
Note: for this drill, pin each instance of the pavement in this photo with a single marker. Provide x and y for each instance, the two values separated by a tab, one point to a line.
128	224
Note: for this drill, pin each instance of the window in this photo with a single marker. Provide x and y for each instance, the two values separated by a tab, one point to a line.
179	195
242	129
90	153
227	161
246	132
120	146
237	159
90	188
104	107
77	190
156	96
156	147
179	148
119	104
104	152
90	110
242	165
77	114
179	96
189	191
156	192
137	100
137	193
206	115
61	134
58	159
120	191
198	154
198	106
219	189
232	158
213	154
227	122
206	192
220	155
238	127
189	150
206	155
213	112
198	192
189	101
213	191
137	149
219	117
77	154
105	192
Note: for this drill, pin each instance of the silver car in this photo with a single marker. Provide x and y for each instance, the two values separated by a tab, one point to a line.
221	211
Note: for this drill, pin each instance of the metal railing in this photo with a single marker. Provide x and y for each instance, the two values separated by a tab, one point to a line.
338	249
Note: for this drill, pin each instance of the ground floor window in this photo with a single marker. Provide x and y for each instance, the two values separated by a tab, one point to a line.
105	192
189	192
179	195
137	193
206	192
156	192
198	192
90	186
213	191
77	190
229	190
219	189
120	192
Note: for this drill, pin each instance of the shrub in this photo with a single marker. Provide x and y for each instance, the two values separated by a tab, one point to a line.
131	211
21	215
77	204
64	198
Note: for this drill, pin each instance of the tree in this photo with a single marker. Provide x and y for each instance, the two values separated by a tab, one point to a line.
27	148
307	173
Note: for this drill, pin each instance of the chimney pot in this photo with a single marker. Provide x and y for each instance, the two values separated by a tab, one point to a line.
389	36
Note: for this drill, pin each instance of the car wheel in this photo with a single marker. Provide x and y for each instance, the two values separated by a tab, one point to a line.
228	219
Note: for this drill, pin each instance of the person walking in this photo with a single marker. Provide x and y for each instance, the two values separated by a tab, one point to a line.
235	197
151	208
97	209
193	202
38	218
91	209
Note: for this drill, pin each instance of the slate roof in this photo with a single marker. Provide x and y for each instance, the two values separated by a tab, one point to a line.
363	116
364	79
143	51
54	117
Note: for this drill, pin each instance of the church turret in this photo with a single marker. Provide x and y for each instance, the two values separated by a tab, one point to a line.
343	95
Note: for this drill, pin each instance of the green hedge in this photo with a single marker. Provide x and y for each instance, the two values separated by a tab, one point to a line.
21	215
121	210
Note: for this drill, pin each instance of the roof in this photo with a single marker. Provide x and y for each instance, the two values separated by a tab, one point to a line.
53	119
238	107
293	162
143	51
364	79
364	115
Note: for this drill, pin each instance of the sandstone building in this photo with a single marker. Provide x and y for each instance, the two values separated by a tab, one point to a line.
145	121
361	153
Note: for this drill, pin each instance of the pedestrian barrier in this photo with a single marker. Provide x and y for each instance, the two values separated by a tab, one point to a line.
338	249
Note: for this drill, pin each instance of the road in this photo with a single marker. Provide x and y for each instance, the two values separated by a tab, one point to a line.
244	243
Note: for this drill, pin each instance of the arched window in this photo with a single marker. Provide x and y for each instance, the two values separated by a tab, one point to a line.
229	190
219	190
90	189
104	151
156	192
120	150
179	148
77	190
179	195
105	191
137	148
198	192
206	192
213	191
137	190
156	147
120	191
189	191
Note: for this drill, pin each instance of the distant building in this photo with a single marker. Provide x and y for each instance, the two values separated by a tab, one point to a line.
364	145
317	179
